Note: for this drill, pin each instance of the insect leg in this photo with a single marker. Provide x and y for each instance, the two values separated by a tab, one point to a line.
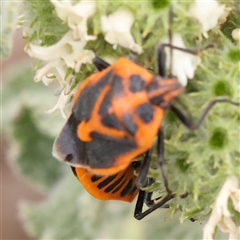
210	105
148	197
160	154
189	123
139	204
142	177
145	197
162	58
161	49
161	53
138	214
100	64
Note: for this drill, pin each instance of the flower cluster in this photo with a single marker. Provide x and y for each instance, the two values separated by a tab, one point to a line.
116	27
207	13
183	64
70	51
220	215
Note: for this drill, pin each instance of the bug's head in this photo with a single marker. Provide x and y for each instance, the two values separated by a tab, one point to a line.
162	91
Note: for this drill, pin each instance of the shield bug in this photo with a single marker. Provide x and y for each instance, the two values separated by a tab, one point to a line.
116	115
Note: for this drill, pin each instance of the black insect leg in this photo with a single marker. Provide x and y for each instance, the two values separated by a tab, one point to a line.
162	58
145	197
160	154
161	53
188	121
148	197
209	107
100	64
142	177
162	47
138	214
139	204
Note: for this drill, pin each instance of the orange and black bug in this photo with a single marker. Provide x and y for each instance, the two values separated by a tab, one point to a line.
119	186
115	117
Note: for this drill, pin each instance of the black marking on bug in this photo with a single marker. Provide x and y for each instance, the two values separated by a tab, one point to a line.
154	85
117	86
105	105
145	112
108	120
106	181
88	97
95	178
100	63
114	184
111	121
118	187
130	126
103	150
137	84
157	85
69	145
74	171
127	188
69	157
158	100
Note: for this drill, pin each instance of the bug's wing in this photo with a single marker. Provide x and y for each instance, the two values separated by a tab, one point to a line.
99	129
68	147
104	151
120	186
112	134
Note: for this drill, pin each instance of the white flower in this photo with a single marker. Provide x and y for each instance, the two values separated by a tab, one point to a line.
183	64
207	12
236	34
117	29
72	52
223	18
53	70
220	215
67	53
62	102
76	16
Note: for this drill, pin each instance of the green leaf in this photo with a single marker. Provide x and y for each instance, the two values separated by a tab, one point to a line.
33	154
21	90
8	25
41	22
31	132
